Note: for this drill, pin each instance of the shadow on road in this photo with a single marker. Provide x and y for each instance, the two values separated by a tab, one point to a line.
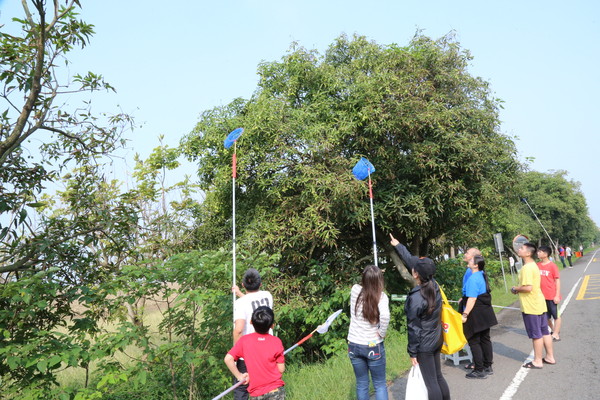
509	352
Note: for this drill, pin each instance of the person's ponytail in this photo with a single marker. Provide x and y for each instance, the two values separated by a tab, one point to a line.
428	292
480	261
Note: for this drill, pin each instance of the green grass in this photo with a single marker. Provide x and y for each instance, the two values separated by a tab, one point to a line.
334	378
501	298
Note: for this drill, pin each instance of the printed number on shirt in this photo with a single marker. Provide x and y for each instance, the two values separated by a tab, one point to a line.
261	302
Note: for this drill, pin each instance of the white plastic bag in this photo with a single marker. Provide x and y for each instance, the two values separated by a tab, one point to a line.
415	385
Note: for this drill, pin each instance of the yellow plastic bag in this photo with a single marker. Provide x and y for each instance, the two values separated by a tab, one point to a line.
452	327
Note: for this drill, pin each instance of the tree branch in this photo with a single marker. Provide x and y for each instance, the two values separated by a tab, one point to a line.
58	16
29	261
27	12
70	136
15	138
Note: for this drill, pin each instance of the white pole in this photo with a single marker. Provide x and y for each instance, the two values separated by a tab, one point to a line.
234	167
540	222
503	276
372	218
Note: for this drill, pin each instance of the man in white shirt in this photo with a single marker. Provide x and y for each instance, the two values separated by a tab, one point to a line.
569	254
242	314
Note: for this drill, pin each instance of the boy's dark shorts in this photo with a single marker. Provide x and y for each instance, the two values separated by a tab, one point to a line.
552	309
536	325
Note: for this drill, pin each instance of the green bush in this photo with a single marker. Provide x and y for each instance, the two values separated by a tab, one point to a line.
449	275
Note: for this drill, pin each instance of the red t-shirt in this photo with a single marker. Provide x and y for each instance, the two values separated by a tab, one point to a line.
262	353
549	274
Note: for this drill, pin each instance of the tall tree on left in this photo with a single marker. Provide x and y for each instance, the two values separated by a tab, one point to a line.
46	261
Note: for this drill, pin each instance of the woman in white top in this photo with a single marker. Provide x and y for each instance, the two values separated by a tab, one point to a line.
369	319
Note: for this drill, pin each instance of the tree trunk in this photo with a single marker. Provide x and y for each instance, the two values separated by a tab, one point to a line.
400	265
384	240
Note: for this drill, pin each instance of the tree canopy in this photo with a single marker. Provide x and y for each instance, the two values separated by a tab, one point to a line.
561	207
430	128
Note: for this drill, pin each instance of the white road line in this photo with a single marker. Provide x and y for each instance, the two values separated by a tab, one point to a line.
564	305
589	262
520	376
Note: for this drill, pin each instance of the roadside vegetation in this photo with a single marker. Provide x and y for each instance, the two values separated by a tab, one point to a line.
119	289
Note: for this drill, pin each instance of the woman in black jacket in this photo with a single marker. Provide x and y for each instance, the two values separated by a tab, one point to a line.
423	310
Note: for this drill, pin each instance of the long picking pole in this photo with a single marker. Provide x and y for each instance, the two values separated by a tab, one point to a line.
234	175
540	222
372	218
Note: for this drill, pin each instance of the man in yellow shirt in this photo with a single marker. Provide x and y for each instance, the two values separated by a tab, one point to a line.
533	306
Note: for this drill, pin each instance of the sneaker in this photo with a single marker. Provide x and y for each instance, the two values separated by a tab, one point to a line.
476	375
488	370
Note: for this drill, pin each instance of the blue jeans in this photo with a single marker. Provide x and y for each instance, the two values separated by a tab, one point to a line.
365	359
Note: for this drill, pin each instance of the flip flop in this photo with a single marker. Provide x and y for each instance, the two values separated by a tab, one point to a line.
470	366
547	362
530	365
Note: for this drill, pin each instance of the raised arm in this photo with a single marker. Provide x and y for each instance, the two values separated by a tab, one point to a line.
409	260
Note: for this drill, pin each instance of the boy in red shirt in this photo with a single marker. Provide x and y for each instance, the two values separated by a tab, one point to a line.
550	284
263	354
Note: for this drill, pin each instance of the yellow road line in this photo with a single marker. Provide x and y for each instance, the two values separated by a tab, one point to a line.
583	288
591	282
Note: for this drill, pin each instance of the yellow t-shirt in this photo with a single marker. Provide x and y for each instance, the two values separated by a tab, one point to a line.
531	302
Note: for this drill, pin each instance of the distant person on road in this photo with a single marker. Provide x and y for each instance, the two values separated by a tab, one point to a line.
561	254
243	310
581	249
369	319
569	254
533	306
423	310
511	262
550	285
478	317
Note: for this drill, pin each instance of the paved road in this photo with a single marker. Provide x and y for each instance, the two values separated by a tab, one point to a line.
577	372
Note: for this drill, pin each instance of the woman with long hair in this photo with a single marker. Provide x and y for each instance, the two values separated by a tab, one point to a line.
369	319
478	317
423	309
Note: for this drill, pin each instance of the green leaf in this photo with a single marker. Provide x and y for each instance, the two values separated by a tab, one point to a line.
54	360
42	366
42	304
13	362
142	376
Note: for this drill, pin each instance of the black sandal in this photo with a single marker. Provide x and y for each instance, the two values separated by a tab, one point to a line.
470	366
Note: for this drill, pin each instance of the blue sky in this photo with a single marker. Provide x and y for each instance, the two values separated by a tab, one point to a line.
171	60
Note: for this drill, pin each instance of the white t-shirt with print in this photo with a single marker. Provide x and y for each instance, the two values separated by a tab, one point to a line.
245	306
